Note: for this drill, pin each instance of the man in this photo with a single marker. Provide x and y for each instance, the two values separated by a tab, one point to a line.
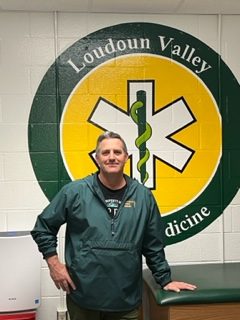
112	220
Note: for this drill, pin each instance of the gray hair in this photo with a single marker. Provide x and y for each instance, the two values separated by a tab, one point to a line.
110	135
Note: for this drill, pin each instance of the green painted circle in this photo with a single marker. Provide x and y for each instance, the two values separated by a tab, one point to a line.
60	80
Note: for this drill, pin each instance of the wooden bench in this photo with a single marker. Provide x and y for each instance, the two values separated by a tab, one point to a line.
216	298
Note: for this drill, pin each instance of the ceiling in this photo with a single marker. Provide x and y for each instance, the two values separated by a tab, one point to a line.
126	6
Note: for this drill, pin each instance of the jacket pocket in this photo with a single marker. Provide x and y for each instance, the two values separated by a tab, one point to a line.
110	274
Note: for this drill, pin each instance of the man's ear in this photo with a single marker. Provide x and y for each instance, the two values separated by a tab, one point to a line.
96	159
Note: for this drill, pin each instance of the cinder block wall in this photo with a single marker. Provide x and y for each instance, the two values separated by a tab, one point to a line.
29	44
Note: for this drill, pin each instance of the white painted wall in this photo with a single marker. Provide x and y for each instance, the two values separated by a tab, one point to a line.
29	43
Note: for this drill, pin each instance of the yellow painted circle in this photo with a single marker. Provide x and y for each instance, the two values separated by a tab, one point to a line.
174	190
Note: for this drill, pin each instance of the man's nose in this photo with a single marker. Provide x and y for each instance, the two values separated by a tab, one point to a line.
111	155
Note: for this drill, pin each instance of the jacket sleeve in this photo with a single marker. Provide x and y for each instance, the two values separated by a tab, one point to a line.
48	223
153	245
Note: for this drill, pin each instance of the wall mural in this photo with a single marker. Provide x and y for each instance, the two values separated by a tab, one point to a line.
172	99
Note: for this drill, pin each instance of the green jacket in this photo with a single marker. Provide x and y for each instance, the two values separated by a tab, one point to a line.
104	254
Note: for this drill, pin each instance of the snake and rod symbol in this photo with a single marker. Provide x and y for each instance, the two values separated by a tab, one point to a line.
138	114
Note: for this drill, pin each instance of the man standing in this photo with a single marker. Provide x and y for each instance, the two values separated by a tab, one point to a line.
111	221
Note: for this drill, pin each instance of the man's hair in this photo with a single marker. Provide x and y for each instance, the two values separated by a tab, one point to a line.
110	135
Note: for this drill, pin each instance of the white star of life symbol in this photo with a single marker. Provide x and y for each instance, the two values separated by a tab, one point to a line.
164	124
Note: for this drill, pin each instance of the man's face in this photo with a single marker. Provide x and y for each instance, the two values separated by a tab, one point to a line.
111	156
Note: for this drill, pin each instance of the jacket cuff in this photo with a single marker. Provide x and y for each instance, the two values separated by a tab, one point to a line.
50	254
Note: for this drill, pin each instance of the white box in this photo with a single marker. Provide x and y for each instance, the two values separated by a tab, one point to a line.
19	272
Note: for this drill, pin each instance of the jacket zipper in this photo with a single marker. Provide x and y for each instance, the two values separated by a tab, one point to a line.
112	227
112	219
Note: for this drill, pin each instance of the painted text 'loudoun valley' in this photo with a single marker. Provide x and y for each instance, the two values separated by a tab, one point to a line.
165	44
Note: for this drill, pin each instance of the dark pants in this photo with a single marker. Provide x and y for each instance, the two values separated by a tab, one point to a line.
77	313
